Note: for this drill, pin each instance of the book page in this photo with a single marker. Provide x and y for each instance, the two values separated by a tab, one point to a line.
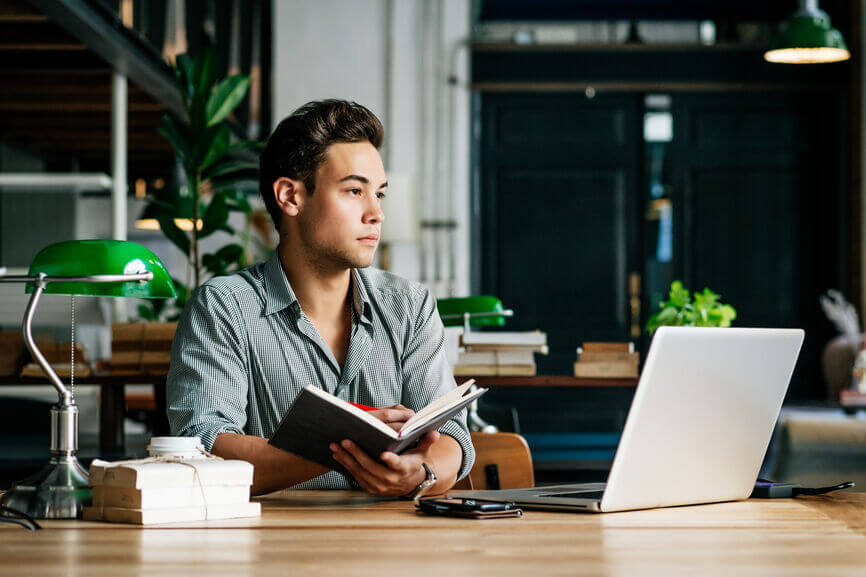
447	399
361	414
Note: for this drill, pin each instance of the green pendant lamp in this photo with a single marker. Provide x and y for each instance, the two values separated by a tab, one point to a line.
807	37
111	268
477	311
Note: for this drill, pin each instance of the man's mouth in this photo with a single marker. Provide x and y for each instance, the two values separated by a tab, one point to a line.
370	239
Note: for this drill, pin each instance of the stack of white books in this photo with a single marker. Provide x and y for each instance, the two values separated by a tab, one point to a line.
147	492
499	353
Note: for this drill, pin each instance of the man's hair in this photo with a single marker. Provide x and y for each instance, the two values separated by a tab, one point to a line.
297	147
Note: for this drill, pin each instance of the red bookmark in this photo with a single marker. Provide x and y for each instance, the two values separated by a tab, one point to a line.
364	407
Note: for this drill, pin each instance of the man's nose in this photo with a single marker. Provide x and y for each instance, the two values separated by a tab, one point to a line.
373	213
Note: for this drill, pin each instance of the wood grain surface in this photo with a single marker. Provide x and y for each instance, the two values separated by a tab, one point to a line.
346	533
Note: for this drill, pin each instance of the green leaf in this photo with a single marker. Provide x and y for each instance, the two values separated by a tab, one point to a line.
182	291
256	146
146	313
204	72
231	253
215	216
217	147
679	297
225	98
184	73
178	136
237	200
174	234
243	169
214	265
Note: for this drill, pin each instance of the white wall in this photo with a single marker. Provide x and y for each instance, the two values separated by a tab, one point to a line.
394	57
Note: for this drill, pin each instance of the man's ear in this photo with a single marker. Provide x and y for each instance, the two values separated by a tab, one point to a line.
289	195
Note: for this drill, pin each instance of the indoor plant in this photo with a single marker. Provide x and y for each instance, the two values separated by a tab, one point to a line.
681	309
212	164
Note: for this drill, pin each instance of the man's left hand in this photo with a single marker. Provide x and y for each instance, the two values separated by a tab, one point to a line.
395	475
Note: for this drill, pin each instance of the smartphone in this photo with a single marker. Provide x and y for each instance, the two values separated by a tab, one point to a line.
468	508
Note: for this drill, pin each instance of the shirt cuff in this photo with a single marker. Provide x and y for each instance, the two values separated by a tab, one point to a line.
209	433
461	435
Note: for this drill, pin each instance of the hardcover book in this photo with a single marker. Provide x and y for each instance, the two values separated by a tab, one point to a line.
316	419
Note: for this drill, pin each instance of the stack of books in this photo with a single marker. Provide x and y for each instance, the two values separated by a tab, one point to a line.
147	492
607	360
141	348
499	353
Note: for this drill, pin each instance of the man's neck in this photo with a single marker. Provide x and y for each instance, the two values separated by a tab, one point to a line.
321	291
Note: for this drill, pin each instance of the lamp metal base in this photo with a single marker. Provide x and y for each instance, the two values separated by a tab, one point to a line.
58	491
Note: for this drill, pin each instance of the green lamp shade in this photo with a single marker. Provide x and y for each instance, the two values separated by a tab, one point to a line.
452	309
807	37
102	257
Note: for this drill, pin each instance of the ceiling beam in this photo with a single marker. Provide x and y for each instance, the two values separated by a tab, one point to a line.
104	34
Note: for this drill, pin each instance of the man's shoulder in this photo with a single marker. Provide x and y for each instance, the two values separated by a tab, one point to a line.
248	280
384	284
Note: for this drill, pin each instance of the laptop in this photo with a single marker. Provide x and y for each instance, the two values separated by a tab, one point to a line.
698	427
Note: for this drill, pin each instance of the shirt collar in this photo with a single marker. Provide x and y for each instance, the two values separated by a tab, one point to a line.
360	298
279	293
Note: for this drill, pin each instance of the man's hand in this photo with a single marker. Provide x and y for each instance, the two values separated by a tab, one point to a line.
394	416
396	475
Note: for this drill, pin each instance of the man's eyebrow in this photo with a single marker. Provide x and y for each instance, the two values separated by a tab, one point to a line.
362	179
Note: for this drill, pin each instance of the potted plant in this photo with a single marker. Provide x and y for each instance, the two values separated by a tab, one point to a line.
702	309
212	165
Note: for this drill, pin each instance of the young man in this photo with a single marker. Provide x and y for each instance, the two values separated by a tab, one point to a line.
247	343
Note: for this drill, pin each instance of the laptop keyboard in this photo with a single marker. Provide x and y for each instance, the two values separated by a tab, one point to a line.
577	495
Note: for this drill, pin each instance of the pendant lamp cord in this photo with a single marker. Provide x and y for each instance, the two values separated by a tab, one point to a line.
72	362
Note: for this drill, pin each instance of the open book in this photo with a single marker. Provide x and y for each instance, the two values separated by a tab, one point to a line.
317	418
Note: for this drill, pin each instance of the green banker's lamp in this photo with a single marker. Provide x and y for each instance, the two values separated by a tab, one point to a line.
807	37
111	268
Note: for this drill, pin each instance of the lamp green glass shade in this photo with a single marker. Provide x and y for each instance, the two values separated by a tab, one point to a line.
807	37
79	258
452	310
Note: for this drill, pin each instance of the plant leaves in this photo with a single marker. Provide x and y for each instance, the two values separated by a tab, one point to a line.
204	71
174	234
217	147
184	66
215	217
231	252
679	310
225	98
242	169
178	136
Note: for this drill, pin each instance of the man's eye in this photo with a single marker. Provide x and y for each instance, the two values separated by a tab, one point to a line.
355	190
380	195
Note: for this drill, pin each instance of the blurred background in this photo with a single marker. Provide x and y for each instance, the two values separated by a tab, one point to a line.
572	158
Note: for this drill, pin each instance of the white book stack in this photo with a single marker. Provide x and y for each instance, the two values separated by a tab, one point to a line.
147	492
500	353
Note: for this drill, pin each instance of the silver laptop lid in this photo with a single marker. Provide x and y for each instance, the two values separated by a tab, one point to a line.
702	416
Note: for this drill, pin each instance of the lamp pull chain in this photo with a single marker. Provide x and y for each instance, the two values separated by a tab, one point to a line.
72	361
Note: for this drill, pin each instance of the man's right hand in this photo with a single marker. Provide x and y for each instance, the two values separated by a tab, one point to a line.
394	416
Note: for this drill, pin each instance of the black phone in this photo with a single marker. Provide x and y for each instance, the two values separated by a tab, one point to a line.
467	508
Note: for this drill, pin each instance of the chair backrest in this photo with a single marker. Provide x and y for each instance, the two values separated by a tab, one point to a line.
502	461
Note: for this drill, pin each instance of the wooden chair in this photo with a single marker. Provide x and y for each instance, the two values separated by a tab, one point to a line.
502	461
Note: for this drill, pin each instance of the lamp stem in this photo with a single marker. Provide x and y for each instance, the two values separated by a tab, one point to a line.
39	286
809	6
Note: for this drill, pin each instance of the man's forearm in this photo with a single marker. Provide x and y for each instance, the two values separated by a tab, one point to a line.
446	456
274	469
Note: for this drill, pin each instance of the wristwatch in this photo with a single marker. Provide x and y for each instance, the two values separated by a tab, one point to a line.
424	486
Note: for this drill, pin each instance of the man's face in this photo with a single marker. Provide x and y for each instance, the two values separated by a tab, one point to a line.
341	221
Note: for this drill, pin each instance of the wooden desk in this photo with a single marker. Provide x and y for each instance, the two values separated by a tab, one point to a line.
347	534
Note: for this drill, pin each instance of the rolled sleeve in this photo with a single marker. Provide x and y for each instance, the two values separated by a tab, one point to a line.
207	384
427	375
